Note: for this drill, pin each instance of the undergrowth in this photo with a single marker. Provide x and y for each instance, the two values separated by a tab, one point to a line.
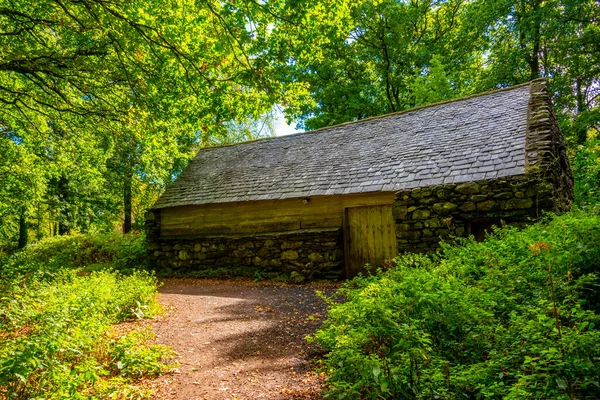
514	317
96	252
229	273
58	336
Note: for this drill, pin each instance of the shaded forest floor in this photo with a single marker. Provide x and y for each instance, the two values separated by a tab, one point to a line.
239	340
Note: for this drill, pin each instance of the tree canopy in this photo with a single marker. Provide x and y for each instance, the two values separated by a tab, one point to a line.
105	99
363	58
103	103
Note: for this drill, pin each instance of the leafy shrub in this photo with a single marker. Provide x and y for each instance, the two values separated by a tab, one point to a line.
132	356
92	252
586	169
513	317
55	322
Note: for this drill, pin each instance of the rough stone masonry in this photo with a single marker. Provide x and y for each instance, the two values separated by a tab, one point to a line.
314	254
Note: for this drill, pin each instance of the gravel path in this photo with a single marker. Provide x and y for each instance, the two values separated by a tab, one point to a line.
239	340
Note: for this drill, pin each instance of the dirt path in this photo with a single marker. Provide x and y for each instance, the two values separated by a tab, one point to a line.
239	340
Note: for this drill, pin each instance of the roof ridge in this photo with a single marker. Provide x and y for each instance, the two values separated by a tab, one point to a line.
382	116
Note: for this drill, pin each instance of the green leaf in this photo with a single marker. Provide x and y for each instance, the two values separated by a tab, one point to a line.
561	383
376	372
383	385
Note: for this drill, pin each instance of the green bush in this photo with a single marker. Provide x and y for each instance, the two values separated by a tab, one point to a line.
586	170
513	317
95	252
132	356
57	339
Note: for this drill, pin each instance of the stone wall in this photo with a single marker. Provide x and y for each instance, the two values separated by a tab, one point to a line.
545	149
425	216
311	254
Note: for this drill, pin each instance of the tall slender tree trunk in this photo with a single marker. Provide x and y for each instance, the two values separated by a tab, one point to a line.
534	61
529	22
64	227
38	228
127	202
22	230
581	104
581	131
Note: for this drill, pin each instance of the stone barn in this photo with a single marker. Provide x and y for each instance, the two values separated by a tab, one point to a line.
325	203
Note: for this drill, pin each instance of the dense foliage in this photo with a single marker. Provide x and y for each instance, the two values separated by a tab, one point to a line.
57	338
123	253
517	316
586	166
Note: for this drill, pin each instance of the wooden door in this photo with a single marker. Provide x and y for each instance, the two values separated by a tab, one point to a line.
369	237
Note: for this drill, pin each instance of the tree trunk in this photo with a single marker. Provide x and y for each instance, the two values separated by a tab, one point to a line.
534	60
22	230
581	103
529	20
581	130
38	230
64	227
127	202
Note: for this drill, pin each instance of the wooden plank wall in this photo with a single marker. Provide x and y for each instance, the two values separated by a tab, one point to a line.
264	216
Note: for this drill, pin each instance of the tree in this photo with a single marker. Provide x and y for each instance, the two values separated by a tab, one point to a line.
21	176
361	58
133	80
365	58
433	85
556	39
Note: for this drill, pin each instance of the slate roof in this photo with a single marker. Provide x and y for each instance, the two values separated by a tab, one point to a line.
481	137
